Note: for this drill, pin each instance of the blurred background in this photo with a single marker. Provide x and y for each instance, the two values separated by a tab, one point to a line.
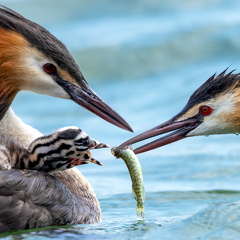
145	58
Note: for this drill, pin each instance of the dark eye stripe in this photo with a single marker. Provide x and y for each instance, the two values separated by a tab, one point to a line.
82	141
81	148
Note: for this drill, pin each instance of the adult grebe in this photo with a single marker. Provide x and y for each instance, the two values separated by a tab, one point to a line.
33	59
212	109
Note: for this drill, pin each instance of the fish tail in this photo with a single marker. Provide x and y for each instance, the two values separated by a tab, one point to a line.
140	212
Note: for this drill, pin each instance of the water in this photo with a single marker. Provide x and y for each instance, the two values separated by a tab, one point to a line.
145	58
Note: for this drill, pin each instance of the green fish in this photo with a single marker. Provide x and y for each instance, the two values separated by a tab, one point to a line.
135	171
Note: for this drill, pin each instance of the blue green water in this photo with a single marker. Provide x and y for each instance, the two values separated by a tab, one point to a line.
145	58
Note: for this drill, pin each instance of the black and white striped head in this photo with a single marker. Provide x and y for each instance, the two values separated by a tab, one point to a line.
64	142
78	139
214	108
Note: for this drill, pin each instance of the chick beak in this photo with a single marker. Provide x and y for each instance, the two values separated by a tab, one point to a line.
182	128
87	98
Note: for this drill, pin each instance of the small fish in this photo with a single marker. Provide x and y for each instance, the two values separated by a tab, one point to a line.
135	171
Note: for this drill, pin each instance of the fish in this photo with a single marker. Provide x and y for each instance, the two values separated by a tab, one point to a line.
135	171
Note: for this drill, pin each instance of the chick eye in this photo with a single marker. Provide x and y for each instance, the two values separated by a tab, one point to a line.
205	110
49	68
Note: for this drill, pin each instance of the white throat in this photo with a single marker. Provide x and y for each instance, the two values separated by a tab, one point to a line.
14	127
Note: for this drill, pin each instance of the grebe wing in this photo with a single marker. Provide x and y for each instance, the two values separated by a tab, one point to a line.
31	199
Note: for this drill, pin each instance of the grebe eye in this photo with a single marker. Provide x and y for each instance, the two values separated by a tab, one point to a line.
49	68
205	110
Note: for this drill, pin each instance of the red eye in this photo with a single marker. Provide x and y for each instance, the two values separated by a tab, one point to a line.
205	110
49	68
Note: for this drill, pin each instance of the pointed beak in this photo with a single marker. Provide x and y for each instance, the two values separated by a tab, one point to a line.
178	130
96	145
88	99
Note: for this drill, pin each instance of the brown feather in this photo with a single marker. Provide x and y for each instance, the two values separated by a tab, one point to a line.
11	47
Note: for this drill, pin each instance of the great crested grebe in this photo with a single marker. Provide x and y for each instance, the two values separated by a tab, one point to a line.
32	59
212	109
63	149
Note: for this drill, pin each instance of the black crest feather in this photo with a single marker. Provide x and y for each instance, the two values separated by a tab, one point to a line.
213	86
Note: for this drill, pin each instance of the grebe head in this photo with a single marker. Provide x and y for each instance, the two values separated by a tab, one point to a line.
77	139
64	148
33	59
214	108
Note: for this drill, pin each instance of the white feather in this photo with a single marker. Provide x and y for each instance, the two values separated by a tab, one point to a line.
219	121
36	80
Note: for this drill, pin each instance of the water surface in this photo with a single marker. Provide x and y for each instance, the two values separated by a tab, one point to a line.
145	58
